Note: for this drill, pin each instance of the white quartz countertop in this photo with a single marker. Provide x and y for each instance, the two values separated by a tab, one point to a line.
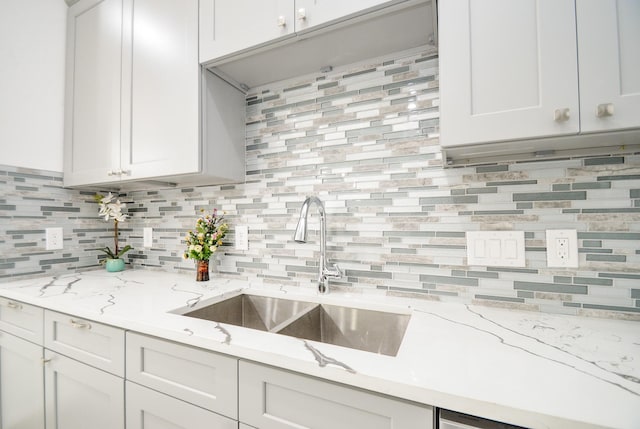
532	369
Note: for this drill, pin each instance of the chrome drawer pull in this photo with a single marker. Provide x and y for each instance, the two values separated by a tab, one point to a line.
15	305
80	325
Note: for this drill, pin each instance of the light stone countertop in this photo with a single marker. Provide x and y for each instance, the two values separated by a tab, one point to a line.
532	369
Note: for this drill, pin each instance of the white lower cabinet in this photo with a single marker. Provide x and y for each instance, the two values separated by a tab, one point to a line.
271	398
21	384
148	409
78	396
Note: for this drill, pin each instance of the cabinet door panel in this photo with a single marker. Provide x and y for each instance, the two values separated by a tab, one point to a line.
148	409
277	399
93	91
163	116
21	384
503	75
79	396
608	37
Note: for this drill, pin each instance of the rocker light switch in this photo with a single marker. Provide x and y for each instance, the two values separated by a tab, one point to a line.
496	248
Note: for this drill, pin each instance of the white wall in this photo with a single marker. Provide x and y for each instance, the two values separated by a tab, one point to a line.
32	58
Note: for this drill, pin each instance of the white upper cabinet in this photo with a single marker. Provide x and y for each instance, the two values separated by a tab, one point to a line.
510	73
93	91
228	26
312	13
534	69
164	83
134	98
609	55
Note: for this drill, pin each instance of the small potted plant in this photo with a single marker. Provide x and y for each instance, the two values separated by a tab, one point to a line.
204	241
112	210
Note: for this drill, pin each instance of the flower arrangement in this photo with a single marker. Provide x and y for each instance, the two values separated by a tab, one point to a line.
207	236
112	210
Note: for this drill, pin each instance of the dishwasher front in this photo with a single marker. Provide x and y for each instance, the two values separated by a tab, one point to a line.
453	420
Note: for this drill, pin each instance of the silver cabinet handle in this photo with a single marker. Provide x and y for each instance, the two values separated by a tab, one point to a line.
603	110
302	14
282	22
119	172
80	325
561	115
14	305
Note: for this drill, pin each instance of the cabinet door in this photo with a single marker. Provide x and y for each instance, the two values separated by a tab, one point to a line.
21	384
161	51
505	69
276	399
229	26
78	396
93	91
148	409
609	63
313	13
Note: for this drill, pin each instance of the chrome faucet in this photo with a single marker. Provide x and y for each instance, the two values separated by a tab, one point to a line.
301	237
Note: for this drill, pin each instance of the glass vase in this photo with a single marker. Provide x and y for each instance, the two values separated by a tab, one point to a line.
202	270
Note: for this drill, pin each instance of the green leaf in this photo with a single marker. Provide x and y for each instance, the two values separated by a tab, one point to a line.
124	250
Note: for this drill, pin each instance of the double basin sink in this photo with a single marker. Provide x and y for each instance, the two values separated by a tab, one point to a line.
362	329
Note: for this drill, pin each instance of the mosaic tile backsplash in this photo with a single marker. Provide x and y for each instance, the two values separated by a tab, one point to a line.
365	140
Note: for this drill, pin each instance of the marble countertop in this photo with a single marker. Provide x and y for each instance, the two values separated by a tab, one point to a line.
532	369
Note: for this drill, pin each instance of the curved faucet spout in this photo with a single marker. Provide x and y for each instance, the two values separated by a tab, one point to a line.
301	237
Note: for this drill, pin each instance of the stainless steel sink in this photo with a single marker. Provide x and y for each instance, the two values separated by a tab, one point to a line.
369	330
252	311
372	331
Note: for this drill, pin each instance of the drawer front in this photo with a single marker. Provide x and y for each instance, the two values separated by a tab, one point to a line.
200	377
276	399
148	409
22	320
93	343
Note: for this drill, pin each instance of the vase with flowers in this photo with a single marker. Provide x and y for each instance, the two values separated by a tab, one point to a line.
112	210
204	240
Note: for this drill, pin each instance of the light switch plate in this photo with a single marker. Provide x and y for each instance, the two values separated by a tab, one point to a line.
242	237
147	237
496	248
54	238
562	248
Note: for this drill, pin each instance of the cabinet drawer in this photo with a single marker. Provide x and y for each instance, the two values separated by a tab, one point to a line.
22	320
276	399
203	378
148	409
93	343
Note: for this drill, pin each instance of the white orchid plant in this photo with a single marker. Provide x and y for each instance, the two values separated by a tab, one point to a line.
112	210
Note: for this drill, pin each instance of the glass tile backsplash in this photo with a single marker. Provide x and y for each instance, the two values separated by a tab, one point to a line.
364	139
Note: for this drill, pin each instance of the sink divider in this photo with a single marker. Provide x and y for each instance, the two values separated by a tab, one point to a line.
280	326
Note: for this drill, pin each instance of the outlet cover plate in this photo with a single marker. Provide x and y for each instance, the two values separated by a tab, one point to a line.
557	255
242	237
147	237
54	238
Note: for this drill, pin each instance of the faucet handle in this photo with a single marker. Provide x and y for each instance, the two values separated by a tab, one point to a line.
334	271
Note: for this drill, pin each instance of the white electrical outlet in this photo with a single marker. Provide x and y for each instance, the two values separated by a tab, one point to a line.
242	237
54	238
562	248
147	237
